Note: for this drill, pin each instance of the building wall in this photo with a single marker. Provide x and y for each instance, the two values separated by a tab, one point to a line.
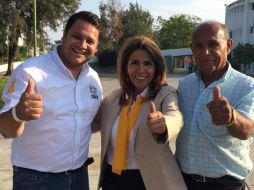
240	21
177	58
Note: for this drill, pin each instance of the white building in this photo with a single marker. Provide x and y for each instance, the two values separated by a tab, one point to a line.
240	21
177	58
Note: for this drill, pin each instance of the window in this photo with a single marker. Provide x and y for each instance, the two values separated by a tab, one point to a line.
252	6
231	34
251	29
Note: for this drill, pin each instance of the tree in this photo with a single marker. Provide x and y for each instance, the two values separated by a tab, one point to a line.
242	54
19	20
111	22
3	32
118	25
136	21
176	31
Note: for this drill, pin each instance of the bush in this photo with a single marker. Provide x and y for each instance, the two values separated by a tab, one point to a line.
3	53
22	53
2	83
107	57
243	54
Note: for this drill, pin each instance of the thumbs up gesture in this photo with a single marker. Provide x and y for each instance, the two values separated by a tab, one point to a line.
155	120
30	105
219	108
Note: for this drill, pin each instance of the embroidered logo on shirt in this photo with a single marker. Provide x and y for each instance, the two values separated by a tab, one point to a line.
12	87
93	91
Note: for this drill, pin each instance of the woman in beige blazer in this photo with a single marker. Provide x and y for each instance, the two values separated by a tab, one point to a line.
137	121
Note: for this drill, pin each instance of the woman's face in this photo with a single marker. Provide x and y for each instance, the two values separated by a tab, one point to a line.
140	69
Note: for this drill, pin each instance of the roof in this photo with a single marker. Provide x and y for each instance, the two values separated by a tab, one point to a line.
176	52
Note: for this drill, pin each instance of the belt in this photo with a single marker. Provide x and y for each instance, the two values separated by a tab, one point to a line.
69	172
126	171
87	162
203	179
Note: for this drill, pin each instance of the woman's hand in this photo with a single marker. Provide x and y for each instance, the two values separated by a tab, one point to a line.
155	120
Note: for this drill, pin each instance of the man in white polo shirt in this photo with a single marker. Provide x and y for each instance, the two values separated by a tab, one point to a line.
50	102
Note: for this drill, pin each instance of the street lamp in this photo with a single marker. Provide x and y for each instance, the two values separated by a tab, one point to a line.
35	31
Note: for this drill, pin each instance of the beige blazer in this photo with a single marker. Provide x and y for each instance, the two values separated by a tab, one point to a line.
156	162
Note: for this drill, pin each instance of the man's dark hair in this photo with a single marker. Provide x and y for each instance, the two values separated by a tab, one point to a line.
85	16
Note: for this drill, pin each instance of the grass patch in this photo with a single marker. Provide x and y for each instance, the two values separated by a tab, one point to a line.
2	84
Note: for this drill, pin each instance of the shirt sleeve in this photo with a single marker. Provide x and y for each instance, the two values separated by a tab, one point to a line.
245	105
173	117
14	89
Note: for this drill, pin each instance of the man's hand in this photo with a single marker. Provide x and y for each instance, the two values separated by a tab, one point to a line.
30	105
219	108
155	120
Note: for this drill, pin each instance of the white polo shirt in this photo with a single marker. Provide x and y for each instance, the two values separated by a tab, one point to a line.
59	140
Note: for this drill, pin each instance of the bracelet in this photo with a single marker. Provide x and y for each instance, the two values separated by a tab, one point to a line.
233	117
14	115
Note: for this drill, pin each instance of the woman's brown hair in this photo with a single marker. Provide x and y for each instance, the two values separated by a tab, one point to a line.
149	45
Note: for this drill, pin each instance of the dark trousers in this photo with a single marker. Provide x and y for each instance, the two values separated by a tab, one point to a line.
27	179
128	180
195	182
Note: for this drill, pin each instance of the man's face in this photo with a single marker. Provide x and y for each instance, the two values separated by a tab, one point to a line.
210	50
79	44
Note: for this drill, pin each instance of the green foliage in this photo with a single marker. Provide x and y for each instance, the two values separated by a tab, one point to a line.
118	25
17	19
136	21
111	21
22	53
3	34
176	31
243	54
2	84
3	53
107	57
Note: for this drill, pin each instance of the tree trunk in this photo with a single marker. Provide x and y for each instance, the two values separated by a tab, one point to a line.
13	44
12	51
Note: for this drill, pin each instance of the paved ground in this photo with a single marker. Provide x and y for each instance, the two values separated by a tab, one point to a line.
3	67
109	83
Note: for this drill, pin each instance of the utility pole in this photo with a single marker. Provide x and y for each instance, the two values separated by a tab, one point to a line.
35	30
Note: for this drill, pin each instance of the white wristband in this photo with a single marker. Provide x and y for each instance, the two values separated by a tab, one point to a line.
14	115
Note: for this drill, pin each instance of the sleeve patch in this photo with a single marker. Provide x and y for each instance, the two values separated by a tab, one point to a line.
12	86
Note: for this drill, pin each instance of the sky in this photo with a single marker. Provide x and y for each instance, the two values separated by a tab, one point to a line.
205	9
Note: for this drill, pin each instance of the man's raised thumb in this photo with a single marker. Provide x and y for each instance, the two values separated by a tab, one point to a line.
30	86
152	107
216	93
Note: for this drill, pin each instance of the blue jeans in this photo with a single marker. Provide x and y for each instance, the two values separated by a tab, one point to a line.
27	179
